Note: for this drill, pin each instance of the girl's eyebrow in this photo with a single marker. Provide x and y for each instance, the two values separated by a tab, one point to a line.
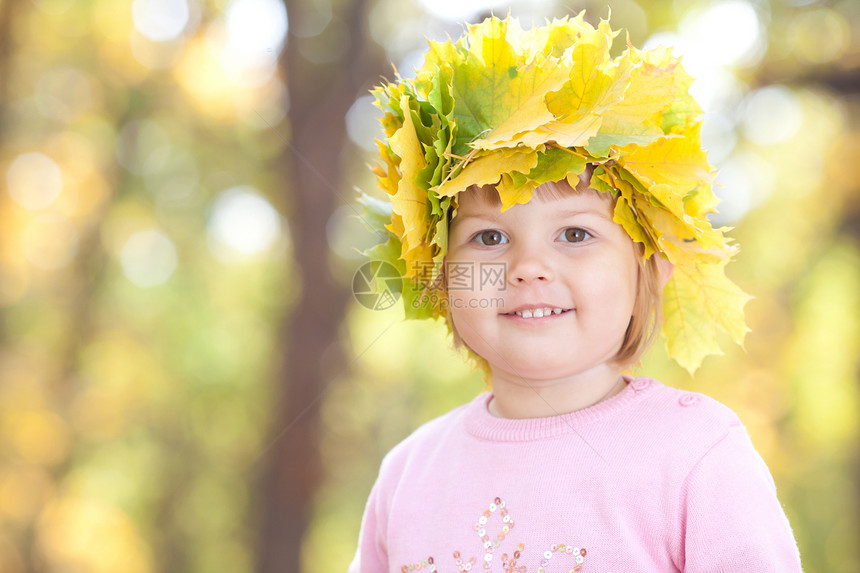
487	217
575	212
494	216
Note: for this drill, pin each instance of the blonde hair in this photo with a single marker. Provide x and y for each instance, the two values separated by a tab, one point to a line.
647	312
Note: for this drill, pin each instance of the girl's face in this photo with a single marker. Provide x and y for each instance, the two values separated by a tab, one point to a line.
565	283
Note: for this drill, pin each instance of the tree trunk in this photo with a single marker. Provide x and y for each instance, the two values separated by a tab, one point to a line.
320	95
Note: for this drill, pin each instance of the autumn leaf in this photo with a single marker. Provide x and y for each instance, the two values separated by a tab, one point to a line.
524	105
632	119
515	188
440	95
483	77
573	133
678	161
409	202
700	202
683	241
554	39
624	216
576	107
440	241
665	196
602	181
555	164
387	174
683	108
700	301
488	169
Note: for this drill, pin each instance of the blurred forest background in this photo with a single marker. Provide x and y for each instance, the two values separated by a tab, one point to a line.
186	382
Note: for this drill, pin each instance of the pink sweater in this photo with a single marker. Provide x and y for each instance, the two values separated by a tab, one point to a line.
654	479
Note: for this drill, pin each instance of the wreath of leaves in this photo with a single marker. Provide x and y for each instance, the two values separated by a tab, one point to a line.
517	108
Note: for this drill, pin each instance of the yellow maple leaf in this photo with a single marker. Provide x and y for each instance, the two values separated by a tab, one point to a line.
635	118
592	87
624	216
488	169
684	107
678	161
572	133
700	202
409	202
681	240
485	76
387	175
559	35
525	106
668	197
698	302
515	192
417	260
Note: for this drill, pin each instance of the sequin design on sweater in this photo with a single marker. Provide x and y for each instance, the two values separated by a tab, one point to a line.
559	557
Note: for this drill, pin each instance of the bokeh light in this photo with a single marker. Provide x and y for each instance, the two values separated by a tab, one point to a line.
726	33
160	20
467	10
148	258
744	181
41	437
89	535
34	180
242	223
772	115
819	35
718	136
255	32
362	123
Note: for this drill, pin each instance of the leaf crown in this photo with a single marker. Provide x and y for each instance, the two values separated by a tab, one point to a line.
516	108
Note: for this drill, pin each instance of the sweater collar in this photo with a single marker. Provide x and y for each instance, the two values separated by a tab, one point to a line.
480	423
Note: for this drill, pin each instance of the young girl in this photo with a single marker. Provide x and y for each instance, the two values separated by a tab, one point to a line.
589	190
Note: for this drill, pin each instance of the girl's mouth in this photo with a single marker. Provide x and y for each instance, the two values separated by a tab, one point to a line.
538	312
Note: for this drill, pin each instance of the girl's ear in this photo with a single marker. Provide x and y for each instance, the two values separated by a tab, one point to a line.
665	269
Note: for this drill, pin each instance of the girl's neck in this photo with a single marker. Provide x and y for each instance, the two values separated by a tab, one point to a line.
515	397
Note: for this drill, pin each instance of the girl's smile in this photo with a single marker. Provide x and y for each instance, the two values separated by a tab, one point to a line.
536	312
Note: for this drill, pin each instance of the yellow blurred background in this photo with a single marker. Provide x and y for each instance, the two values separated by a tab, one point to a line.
186	382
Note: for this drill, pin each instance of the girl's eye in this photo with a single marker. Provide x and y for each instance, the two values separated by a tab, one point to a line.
575	235
490	238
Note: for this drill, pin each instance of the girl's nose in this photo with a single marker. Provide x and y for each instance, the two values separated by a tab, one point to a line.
528	265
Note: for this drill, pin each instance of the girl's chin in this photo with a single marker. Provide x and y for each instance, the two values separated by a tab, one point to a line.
546	366
532	370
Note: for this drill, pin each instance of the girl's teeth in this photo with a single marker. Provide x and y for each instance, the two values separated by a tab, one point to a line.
539	312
